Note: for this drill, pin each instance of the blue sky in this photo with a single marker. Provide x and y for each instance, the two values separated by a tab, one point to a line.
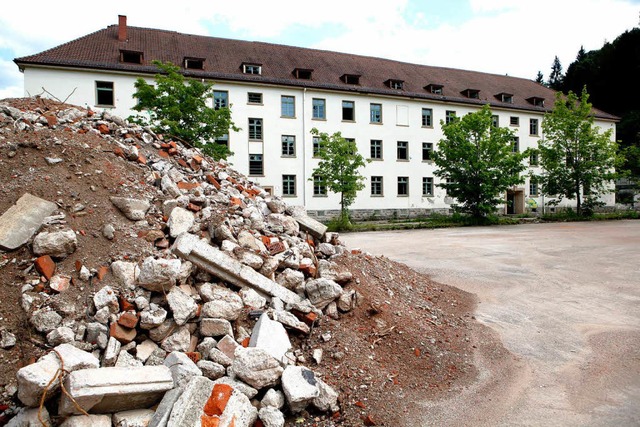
515	37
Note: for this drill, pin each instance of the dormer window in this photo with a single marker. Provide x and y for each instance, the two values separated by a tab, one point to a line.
395	84
505	97
130	57
194	63
471	93
434	88
351	79
248	68
302	73
536	101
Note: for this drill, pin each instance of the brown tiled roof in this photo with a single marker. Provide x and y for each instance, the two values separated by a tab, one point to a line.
224	59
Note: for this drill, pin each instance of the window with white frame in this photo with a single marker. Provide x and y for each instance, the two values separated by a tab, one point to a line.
288	185
514	121
319	109
254	98
533	189
288	146
427	117
348	111
376	113
255	129
288	106
251	69
104	94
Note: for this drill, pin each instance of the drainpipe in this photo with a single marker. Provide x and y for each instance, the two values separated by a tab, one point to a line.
304	149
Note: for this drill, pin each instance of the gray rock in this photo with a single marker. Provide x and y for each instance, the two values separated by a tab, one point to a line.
247	240
106	297
276	205
188	407
274	398
326	249
170	187
182	368
249	258
211	370
216	355
228	346
348	300
330	270
30	418
271	417
243	388
45	320
102	316
7	339
182	305
87	421
163	330
280	223
97	333
153	317
238	411
126	360
256	367
111	352
215	327
271	337
322	291
180	221
179	340
60	335
126	273
109	231
145	349
163	411
327	399
252	299
21	220
133	418
300	387
290	279
290	320
314	227
134	209
57	244
159	275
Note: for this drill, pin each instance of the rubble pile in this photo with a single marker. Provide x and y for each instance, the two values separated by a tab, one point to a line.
199	330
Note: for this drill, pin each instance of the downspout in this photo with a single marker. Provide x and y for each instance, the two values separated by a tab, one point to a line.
304	148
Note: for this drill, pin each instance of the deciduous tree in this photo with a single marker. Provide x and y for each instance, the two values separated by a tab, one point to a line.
478	162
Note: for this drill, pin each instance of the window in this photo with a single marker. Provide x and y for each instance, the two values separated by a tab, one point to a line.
471	93
376	186
251	69
515	145
288	145
319	109
403	186
395	84
427	117
130	57
434	88
533	126
288	185
351	79
376	149
538	102
223	140
534	159
104	94
348	111
533	189
376	113
288	106
427	151
449	116
303	74
495	121
319	186
255	129
254	98
514	121
194	63
220	99
256	165
427	186
403	150
316	146
505	97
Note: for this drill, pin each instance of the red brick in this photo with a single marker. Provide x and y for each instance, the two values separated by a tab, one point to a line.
195	356
183	163
128	319
52	120
78	265
142	159
187	185
236	201
213	181
198	159
45	266
276	248
163	154
104	129
194	208
102	271
209	421
232	180
220	395
245	342
122	334
173	151
125	305
173	144
194	165
368	421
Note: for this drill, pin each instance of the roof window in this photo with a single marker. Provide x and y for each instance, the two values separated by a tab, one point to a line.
534	100
302	73
130	57
194	63
434	88
351	79
505	97
250	68
395	84
471	93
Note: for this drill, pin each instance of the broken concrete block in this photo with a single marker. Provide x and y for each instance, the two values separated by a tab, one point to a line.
125	359
126	273
216	355
170	187
327	399
280	223
211	370
111	352
300	387
271	417
34	378
322	291
248	258
96	333
159	275
348	300
252	299
60	335
163	411
219	264
163	330
145	349
271	337
330	270
228	346
29	418
247	240
315	228
215	327
256	367
133	418
153	317
22	220
243	388
189	406
182	368
289	320
133	209
7	339
178	340
180	221
223	309
87	421
273	398
45	320
238	412
108	390
290	278
326	249
57	244
182	305
60	283
107	297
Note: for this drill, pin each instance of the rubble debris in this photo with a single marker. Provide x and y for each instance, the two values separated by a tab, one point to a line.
22	220
57	244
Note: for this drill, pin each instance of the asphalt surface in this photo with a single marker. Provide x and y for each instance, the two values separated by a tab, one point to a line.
563	298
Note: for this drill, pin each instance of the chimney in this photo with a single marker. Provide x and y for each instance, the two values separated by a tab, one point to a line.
122	28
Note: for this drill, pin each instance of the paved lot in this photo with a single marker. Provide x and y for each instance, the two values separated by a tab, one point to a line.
564	299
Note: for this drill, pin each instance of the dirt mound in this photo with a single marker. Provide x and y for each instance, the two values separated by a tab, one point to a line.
406	340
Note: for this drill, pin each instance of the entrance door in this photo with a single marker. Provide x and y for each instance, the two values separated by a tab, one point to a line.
515	202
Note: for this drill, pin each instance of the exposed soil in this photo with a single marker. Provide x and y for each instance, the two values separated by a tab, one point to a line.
409	340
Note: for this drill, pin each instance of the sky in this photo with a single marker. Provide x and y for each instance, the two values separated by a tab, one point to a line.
514	37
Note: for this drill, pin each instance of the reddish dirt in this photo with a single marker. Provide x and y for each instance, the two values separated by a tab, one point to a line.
408	341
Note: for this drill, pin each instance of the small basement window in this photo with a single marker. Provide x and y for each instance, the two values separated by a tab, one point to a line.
194	63
351	79
434	88
303	74
251	68
471	93
130	57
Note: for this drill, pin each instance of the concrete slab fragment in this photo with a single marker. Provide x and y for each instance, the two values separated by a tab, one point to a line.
315	228
163	412
21	220
189	406
87	421
270	336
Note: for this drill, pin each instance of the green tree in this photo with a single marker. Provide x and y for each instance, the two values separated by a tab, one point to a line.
338	169
478	162
556	77
177	106
578	160
540	78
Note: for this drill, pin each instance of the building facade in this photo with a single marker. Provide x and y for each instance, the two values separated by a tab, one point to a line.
277	94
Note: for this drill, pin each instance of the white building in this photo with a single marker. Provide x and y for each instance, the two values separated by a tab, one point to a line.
277	94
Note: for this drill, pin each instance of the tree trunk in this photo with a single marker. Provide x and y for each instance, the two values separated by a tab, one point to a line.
578	199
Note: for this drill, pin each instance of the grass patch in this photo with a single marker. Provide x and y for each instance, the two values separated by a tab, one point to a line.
570	215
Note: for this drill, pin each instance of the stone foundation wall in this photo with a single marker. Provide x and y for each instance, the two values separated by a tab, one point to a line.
376	214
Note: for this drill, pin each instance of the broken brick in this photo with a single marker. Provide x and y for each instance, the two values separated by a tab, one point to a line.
163	154
128	319
194	165
122	334
183	163
236	201
125	305
213	181
276	248
198	159
102	271
368	421
78	265
142	159
232	180
45	266
103	129
187	185
193	207
209	421
173	151
220	395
